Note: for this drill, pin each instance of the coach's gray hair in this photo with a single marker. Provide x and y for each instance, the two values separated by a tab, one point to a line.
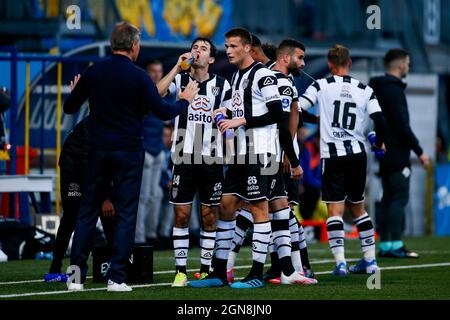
124	36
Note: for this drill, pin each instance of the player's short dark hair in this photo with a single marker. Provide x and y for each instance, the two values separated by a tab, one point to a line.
269	50
152	61
123	36
242	33
394	55
213	50
289	45
256	42
339	56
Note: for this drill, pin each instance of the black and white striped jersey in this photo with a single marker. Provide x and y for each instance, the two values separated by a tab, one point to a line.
288	91
252	89
344	105
194	130
270	64
288	95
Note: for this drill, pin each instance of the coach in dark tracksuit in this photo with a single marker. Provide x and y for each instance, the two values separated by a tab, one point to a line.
119	94
395	166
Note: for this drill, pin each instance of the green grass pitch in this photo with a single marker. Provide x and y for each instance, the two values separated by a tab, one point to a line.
425	278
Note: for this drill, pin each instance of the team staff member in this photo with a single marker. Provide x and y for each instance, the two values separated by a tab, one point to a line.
119	94
395	166
72	162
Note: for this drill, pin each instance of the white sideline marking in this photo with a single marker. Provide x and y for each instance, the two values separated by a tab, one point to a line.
431	265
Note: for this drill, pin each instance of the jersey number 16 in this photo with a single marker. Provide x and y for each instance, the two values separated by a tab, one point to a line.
348	118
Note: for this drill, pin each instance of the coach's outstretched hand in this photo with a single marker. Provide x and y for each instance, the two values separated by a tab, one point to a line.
189	92
74	82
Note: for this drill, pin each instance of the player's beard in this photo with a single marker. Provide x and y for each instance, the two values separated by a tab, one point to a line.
294	71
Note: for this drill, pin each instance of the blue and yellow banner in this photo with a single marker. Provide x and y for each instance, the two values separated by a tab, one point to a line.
178	20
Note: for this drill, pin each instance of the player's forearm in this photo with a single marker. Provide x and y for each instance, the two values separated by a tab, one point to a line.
167	111
380	128
410	139
294	119
309	117
287	145
275	115
164	83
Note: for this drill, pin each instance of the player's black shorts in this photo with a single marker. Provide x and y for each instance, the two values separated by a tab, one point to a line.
344	178
189	178
250	182
291	186
278	186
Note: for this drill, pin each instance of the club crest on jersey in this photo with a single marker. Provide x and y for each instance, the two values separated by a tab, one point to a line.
215	91
174	192
245	83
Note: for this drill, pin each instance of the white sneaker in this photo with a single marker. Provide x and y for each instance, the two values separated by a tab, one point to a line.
296	278
75	286
116	287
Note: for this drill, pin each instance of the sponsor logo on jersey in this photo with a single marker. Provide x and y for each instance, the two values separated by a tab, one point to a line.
238	113
287	91
346	92
268	81
74	190
73	186
252	180
275	97
236	100
200	110
341	134
200	117
201	103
